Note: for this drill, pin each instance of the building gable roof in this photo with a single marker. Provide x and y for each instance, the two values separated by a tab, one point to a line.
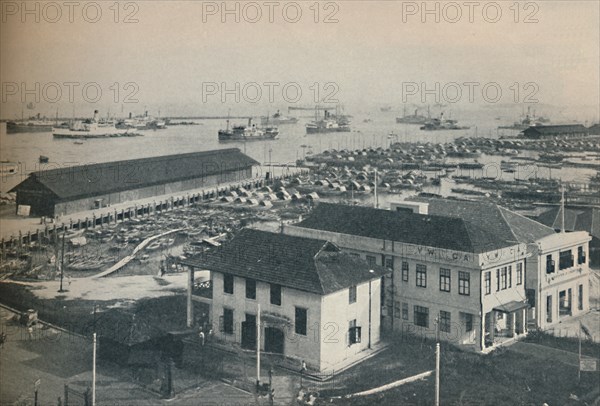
503	223
111	177
576	219
404	226
306	264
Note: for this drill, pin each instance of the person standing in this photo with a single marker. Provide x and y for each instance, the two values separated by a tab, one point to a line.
201	336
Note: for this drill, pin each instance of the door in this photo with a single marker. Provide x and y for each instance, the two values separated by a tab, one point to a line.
274	340
249	332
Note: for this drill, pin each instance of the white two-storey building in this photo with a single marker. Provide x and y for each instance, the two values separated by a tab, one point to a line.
317	304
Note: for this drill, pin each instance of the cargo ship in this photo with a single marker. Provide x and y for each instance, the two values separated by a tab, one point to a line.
92	128
13	127
528	121
416	118
441	123
330	123
277	119
248	132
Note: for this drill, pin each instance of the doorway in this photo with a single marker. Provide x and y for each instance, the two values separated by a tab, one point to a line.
274	340
249	332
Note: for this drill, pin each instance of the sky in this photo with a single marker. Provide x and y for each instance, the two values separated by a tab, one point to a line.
187	57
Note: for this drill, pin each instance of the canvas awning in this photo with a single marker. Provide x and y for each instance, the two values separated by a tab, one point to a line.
511	307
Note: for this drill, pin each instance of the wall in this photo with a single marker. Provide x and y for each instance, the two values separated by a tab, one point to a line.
561	280
305	348
337	312
88	203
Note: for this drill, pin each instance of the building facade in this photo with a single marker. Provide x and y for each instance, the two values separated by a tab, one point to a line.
557	268
558	278
73	189
317	304
449	278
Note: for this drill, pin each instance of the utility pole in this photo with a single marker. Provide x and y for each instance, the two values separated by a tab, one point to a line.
258	348
62	260
437	361
94	374
437	374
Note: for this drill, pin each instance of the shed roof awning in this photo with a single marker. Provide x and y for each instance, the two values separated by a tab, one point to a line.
511	307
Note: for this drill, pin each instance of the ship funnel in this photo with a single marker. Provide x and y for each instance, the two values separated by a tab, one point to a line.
130	114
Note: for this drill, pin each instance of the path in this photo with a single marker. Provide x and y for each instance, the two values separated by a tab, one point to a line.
128	258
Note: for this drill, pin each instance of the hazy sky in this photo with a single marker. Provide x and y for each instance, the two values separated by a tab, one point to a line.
371	54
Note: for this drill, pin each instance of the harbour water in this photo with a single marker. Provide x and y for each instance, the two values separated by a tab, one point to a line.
293	144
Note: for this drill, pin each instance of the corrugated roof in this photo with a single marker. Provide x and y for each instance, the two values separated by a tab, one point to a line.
110	177
503	223
305	264
551	129
404	226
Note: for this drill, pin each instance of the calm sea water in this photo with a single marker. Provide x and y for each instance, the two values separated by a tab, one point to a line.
293	143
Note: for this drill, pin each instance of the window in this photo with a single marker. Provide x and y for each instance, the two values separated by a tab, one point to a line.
250	289
405	271
468	322
488	282
497	279
353	332
397	309
550	268
301	321
464	283
580	298
565	259
421	316
227	322
228	283
389	263
354	254
275	294
444	280
404	311
580	255
510	276
503	278
520	273
444	321
352	294
371	260
421	276
549	309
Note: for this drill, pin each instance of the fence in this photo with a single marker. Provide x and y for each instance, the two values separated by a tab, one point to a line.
73	397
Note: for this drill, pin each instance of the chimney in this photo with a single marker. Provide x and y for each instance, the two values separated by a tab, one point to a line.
96	115
130	114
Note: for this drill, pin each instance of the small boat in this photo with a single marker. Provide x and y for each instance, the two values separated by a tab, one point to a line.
44	159
78	143
154	246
